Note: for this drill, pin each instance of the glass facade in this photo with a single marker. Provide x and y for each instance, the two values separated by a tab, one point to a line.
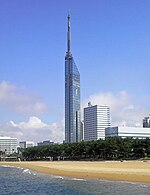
72	96
72	101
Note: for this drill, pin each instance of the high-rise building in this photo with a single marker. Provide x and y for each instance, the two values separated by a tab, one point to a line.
146	122
72	96
96	119
8	145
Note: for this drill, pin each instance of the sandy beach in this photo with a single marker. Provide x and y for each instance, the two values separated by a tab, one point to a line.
132	171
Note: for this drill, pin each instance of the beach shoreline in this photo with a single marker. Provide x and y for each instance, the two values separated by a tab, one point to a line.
131	171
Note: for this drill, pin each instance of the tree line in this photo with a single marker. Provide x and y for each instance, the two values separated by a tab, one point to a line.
112	148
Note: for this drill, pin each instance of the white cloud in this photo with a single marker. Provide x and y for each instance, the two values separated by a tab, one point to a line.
123	110
14	98
32	123
34	130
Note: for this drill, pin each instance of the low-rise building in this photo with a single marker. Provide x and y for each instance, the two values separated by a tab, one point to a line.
8	145
45	143
135	132
26	144
146	122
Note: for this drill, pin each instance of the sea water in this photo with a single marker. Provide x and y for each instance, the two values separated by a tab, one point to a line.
18	181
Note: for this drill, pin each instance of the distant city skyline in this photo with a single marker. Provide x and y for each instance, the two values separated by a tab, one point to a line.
110	42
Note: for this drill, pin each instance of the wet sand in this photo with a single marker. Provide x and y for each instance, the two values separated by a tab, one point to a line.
132	171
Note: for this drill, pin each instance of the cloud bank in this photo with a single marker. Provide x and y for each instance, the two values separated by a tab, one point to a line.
124	112
34	130
14	98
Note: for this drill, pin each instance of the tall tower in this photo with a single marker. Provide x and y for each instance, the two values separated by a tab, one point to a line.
72	96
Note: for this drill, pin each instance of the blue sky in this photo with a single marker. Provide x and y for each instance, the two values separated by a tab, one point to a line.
110	41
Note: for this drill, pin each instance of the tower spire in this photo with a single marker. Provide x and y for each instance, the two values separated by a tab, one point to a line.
68	33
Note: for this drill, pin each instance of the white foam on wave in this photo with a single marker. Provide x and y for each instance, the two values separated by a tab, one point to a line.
28	171
25	171
144	186
57	177
78	179
135	183
6	166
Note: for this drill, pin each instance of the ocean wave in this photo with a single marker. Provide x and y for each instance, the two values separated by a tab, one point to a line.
78	179
144	186
57	177
7	166
27	171
21	168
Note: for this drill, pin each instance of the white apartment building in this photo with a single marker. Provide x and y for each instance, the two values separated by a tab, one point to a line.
96	119
8	145
135	132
